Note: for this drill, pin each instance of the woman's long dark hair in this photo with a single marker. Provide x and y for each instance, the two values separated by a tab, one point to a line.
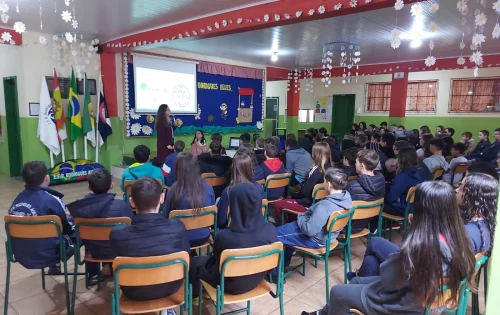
425	129
354	128
241	169
161	118
407	158
479	199
248	149
427	137
188	183
364	126
203	141
436	214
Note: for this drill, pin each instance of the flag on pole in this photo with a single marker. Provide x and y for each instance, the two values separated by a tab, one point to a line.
58	110
74	110
88	115
103	123
47	131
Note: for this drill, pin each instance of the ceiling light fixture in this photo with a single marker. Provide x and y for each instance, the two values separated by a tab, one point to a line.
415	43
274	57
470	92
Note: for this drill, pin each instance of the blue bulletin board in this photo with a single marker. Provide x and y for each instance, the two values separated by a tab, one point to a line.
225	104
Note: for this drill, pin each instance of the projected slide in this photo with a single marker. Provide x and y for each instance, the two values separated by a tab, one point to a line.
161	81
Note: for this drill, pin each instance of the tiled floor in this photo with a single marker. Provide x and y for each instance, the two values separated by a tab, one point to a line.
28	298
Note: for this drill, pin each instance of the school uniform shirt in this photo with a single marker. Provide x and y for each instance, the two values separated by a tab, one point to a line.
349	170
403	181
436	160
480	147
373	146
184	204
270	167
168	169
139	170
420	153
458	176
150	234
94	206
470	146
490	153
315	176
298	162
479	235
36	201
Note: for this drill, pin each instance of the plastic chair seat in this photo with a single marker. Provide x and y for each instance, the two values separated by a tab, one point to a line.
364	232
129	306
392	217
317	251
355	311
90	258
210	241
262	289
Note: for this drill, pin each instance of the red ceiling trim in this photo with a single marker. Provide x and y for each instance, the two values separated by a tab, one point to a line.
276	74
16	37
243	20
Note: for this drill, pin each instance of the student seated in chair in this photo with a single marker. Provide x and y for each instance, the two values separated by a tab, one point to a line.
150	234
273	166
168	167
247	229
39	200
190	191
298	162
349	162
99	204
437	146
142	167
457	152
411	278
310	229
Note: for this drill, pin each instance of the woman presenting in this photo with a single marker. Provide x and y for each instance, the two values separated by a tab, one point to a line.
164	134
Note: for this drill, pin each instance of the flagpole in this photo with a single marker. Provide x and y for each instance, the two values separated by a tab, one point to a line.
85	147
62	151
74	149
97	118
51	159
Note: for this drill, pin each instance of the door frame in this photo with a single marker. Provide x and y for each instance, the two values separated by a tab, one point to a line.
14	147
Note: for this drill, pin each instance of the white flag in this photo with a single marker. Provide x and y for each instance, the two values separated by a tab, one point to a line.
47	131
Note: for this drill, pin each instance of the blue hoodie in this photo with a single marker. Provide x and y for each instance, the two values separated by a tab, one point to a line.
169	169
402	182
139	170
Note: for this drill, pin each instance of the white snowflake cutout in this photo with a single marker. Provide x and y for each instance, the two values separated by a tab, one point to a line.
395	42
496	6
6	37
287	16
19	27
298	14
224	23
74	24
4	7
353	3
399	5
4	17
480	19
496	31
461	61
433	26
434	7
266	18
66	16
311	12
42	40
239	20
69	37
430	61
416	9
338	6
321	9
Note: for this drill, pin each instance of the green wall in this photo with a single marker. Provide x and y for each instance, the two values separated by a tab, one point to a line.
293	125
4	148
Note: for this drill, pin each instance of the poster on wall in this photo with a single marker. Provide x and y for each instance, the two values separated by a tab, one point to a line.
323	109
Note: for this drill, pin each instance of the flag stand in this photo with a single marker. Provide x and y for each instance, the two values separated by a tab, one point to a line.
97	145
85	147
74	150
62	151
51	159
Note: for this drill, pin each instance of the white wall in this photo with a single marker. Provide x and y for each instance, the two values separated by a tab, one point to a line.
12	64
307	100
278	89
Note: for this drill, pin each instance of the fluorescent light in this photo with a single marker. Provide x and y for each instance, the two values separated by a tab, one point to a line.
431	86
415	43
274	57
470	92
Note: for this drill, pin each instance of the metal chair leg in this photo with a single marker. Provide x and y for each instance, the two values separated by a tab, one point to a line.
7	281
43	278
248	307
327	280
66	287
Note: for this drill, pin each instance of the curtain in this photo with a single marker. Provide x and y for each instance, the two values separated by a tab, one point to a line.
475	95
229	70
421	96
379	97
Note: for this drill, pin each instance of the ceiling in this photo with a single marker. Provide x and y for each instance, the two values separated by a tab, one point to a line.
109	19
300	45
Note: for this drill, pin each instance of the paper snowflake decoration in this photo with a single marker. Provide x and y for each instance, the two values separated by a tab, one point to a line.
287	16
395	42
19	27
4	7
217	25
477	39
224	23
266	17
311	12
473	47
193	32
399	5
66	2
298	14
42	40
66	16
462	44
339	5
461	6
431	45
481	19
180	36
239	20
496	31
395	33
321	9
147	130
430	61
496	6
202	30
134	115
461	61
4	17
259	125
69	37
277	17
433	27
353	3
6	37
434	7
74	24
209	28
477	58
416	9
135	129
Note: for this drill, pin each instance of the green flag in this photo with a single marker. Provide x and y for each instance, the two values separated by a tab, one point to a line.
88	115
74	110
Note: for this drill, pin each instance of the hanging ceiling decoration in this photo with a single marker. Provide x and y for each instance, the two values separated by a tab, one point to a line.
349	55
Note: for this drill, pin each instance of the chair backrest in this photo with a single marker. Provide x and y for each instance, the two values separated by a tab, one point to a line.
33	227
127	186
481	259
443	297
437	172
143	271
351	178
410	196
214	180
265	204
249	261
206	218
278	180
338	220
319	193
367	209
98	229
459	168
262	182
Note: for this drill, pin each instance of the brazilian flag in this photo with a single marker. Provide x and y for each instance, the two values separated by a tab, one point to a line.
74	110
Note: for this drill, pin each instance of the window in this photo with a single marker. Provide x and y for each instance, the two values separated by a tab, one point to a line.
306	115
475	95
421	96
378	97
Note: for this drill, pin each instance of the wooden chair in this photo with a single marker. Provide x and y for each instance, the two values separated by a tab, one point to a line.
207	218
214	180
262	182
362	210
277	181
49	226
336	222
265	209
351	178
481	263
94	230
459	168
145	271
244	262
437	172
410	198
127	187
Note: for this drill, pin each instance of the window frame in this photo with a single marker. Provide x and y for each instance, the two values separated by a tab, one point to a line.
309	115
495	96
367	86
436	82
